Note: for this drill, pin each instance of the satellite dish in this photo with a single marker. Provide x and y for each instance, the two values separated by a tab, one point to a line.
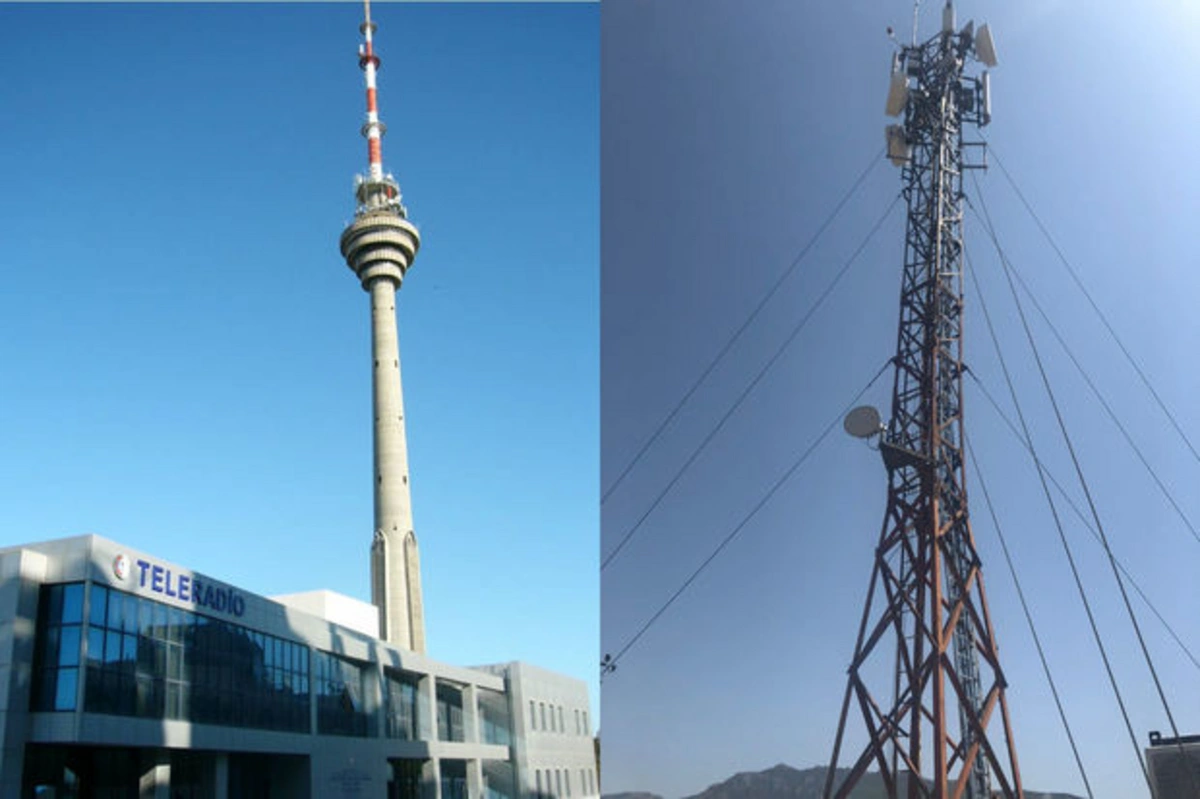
985	48
863	422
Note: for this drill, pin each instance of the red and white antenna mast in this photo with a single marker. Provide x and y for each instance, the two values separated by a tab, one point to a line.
376	189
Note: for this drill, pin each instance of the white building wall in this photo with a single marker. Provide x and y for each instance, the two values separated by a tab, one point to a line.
337	766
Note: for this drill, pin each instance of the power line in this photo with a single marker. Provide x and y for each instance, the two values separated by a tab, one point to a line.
753	383
1104	319
1037	641
1012	428
1082	480
610	663
749	319
1103	402
1058	522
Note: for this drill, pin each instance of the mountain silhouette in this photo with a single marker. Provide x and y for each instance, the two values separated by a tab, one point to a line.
785	782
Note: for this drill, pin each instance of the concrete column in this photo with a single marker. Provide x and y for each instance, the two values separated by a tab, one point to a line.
393	504
380	246
373	689
155	782
474	779
472	729
21	574
312	692
427	708
431	779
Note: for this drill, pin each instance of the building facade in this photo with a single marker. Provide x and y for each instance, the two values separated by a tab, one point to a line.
124	675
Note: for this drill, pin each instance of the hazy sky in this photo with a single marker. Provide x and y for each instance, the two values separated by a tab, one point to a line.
729	130
185	355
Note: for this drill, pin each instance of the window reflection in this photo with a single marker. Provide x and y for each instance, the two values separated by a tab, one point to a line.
339	689
143	658
402	692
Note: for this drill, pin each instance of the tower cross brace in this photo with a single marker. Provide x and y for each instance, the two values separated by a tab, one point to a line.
926	608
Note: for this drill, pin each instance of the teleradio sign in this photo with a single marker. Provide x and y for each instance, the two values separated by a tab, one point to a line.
184	587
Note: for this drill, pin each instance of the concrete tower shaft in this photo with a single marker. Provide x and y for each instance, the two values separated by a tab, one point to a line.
379	246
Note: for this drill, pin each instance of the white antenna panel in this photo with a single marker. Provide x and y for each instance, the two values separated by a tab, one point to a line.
985	48
898	149
897	94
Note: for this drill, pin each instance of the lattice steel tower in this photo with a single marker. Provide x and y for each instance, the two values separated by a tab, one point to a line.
379	246
926	610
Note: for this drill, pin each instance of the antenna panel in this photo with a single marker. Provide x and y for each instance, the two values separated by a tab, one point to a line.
985	48
897	94
898	149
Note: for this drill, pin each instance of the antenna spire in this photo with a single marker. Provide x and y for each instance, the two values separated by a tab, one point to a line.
373	130
376	190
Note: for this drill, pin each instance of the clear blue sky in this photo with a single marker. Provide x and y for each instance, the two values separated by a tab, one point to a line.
184	355
728	132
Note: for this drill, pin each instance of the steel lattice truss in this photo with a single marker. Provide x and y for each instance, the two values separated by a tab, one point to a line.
934	618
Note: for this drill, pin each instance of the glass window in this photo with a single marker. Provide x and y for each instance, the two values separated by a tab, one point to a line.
561	727
449	712
95	645
339	690
54	604
57	647
72	612
493	715
146	618
68	646
97	606
402	694
64	696
532	715
542	707
116	603
147	659
49	647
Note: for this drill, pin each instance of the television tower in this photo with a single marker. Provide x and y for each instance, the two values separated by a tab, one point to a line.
932	617
379	246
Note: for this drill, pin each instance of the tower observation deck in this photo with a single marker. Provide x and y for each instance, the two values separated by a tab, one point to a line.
379	247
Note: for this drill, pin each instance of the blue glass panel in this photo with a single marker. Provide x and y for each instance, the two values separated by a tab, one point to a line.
68	646
116	603
97	606
160	620
129	650
174	625
95	645
72	612
129	618
64	697
145	618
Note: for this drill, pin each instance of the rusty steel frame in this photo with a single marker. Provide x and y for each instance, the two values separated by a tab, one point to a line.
927	570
